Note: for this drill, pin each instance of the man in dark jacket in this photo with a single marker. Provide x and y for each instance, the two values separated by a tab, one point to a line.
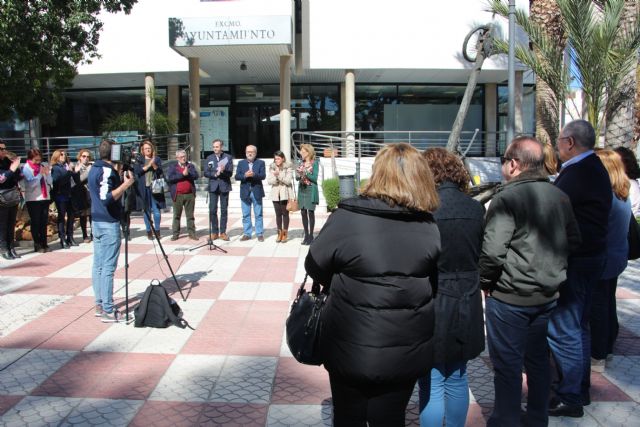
530	229
251	172
181	178
585	180
219	169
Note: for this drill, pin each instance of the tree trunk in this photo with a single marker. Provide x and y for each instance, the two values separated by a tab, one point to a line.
547	14
620	123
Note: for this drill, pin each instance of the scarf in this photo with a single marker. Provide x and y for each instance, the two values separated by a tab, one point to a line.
43	183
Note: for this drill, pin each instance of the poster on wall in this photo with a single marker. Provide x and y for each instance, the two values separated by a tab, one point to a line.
214	124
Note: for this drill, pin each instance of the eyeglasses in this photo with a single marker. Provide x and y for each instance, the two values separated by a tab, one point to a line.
563	137
84	155
3	148
505	159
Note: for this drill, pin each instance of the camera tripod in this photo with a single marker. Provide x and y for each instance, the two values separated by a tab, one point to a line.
126	225
209	242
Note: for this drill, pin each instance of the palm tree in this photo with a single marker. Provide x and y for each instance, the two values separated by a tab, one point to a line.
601	53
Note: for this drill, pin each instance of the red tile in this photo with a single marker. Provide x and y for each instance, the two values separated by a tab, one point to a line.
296	383
44	264
622	293
8	402
168	414
477	416
603	390
627	347
152	266
262	269
55	286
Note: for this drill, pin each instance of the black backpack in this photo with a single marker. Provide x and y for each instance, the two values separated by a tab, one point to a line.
157	310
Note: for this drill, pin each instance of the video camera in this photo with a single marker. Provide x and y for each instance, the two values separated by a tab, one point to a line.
125	154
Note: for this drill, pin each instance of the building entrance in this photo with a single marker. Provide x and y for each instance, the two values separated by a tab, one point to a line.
257	124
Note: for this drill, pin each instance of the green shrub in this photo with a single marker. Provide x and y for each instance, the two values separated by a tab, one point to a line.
331	191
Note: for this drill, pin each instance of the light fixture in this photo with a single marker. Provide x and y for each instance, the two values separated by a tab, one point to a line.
243	66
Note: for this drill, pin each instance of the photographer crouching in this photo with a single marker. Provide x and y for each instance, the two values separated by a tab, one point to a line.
106	189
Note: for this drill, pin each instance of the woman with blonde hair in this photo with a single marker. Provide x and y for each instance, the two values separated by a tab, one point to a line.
148	169
308	197
80	199
604	319
64	179
280	178
378	254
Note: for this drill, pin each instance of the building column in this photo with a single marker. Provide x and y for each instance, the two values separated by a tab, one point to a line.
149	100
350	111
285	105
173	108
194	109
490	119
519	126
343	109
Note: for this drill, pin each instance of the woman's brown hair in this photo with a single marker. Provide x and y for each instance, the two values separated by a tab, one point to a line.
84	150
550	159
613	164
401	176
310	150
446	166
55	157
150	144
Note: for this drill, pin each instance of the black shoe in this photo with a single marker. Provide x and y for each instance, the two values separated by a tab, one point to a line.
305	241
7	256
563	410
64	245
14	253
72	242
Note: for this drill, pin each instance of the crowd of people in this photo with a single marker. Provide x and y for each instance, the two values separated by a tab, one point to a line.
406	263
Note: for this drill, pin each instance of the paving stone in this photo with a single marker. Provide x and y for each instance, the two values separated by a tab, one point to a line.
190	378
249	367
299	415
622	414
236	389
624	372
28	372
19	309
39	411
103	412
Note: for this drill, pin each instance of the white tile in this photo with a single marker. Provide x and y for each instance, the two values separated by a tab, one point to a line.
240	291
274	292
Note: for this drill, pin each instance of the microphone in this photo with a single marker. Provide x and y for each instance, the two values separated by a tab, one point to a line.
210	165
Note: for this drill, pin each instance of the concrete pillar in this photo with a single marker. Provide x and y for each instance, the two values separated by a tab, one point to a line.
285	105
173	108
149	99
194	109
343	109
519	126
490	119
350	110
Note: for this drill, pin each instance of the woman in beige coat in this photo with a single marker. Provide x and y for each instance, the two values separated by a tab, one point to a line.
280	177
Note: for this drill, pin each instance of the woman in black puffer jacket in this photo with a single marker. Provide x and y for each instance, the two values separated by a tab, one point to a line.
378	253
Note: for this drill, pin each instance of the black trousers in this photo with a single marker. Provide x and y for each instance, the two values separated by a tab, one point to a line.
213	211
7	227
282	214
39	214
379	405
65	219
604	318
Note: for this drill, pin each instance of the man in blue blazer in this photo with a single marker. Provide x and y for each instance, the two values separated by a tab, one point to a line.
251	172
218	168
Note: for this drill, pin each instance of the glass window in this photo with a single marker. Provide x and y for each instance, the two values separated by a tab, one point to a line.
258	93
370	106
315	108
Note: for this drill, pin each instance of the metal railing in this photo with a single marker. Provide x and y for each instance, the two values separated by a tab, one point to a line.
165	144
353	152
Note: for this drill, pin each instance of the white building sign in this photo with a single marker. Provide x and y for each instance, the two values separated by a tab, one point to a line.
230	30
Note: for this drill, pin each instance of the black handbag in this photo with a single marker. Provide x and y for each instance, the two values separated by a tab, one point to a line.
634	239
9	197
303	324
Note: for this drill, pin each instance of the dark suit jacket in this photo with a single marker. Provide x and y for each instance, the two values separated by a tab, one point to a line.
222	182
174	176
254	183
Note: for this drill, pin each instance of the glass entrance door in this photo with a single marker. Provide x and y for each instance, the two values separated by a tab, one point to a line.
259	125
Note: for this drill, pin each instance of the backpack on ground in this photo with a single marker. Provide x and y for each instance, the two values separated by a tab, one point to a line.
157	310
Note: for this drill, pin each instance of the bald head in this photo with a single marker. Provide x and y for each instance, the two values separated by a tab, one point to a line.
525	153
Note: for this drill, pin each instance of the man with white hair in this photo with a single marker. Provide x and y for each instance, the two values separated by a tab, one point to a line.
251	172
181	177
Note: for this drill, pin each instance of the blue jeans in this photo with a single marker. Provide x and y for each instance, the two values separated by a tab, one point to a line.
213	211
151	205
106	248
517	336
444	395
569	335
246	215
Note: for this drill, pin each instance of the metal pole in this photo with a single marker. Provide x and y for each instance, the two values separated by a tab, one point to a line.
511	121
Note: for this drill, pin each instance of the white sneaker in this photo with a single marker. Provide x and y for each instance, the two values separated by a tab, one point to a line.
113	317
598	365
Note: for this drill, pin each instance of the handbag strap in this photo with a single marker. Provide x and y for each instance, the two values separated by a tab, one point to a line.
295	195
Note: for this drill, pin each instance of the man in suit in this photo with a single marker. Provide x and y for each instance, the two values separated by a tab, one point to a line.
585	180
219	169
251	172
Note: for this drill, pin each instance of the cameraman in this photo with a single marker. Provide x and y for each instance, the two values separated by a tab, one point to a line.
106	188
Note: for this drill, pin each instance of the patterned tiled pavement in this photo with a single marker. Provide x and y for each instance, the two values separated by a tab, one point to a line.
60	366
